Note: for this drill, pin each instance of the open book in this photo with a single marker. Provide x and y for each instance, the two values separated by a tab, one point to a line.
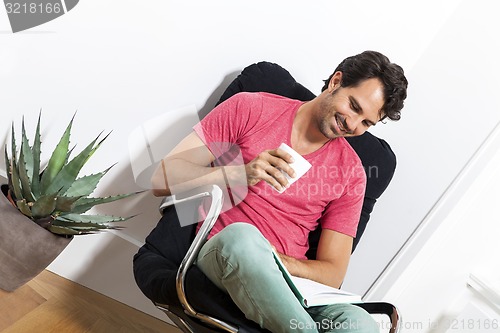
312	293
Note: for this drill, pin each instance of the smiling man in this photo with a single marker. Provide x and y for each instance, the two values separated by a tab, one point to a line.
238	257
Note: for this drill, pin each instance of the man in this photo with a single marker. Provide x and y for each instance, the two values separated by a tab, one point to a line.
363	90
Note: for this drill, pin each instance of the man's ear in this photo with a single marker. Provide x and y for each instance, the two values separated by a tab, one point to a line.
335	81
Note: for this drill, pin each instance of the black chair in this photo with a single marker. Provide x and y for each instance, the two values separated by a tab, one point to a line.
162	267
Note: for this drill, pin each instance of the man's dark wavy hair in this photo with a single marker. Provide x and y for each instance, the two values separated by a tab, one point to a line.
372	64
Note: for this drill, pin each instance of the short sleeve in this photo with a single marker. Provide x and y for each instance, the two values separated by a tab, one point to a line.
230	121
342	215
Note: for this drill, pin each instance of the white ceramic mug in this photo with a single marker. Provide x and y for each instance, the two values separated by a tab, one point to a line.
300	165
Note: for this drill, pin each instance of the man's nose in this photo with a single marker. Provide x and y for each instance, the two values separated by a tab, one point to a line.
353	122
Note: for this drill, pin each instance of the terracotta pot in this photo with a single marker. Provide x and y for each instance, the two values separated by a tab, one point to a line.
26	249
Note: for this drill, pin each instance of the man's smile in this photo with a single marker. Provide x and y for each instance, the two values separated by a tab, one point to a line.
340	125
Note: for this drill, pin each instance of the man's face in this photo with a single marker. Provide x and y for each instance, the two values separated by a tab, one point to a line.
350	111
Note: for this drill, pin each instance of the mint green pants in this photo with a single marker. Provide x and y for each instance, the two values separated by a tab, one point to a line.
239	261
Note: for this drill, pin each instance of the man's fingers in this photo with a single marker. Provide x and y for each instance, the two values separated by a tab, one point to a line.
282	154
276	178
282	161
270	166
263	170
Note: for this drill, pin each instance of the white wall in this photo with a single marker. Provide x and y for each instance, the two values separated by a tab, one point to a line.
121	63
452	284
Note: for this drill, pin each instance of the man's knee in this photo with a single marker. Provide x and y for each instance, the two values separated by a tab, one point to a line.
240	237
234	251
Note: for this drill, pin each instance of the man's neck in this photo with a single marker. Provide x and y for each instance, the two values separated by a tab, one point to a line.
306	136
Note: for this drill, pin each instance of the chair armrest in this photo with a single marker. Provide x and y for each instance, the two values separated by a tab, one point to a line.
216	195
196	193
384	308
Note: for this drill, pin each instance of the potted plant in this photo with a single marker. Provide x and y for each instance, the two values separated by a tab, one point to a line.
41	209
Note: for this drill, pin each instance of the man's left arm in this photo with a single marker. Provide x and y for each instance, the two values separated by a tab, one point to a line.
335	246
332	259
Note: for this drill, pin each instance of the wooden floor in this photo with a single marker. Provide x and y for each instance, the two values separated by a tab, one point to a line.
50	303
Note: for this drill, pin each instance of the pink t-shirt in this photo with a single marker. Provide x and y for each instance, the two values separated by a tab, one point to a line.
331	192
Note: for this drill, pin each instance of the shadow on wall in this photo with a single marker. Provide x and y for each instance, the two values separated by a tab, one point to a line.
115	278
148	144
156	137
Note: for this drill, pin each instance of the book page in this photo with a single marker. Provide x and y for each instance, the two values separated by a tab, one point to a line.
312	293
312	288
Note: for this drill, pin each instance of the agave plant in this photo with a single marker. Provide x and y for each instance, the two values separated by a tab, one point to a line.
55	197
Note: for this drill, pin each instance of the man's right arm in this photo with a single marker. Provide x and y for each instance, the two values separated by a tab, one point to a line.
188	167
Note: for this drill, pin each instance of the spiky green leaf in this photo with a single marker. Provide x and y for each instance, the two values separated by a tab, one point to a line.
26	152
45	221
36	149
56	161
12	171
70	171
16	182
13	144
8	166
69	155
56	229
84	186
98	144
44	206
93	218
65	204
83	225
62	221
23	174
23	207
84	204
